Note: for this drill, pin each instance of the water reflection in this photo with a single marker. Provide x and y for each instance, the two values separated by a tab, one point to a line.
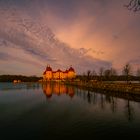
69	111
19	86
107	101
58	89
129	111
104	102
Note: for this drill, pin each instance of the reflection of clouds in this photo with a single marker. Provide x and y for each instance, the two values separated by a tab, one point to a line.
56	88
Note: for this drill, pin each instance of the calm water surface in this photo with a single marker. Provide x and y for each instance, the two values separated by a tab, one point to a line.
54	111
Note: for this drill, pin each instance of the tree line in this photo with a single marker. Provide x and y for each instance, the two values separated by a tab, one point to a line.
111	74
11	78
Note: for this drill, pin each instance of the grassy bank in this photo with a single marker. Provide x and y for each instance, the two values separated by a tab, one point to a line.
132	88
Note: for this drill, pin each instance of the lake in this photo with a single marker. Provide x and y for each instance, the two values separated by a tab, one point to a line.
58	111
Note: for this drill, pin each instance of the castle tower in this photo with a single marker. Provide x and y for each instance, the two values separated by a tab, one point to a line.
47	75
71	73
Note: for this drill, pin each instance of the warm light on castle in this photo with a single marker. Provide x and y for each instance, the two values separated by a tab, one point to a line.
49	74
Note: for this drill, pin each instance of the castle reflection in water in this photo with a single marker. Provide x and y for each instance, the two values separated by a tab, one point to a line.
58	89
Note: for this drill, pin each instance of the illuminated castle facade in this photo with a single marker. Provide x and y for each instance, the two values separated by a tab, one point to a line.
49	74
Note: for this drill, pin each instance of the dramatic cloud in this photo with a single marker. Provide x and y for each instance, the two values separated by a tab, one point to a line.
87	34
105	27
32	44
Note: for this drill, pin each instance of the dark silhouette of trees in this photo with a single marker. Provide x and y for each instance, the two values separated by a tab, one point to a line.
113	72
88	75
133	5
110	74
101	72
94	75
107	74
11	78
127	71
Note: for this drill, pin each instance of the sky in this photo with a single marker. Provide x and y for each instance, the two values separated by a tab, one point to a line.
87	34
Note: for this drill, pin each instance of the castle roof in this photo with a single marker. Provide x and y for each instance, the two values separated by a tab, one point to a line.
58	70
66	71
71	69
44	72
48	68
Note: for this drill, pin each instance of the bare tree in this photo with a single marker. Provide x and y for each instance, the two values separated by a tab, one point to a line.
107	73
94	74
84	77
88	75
113	72
133	5
101	72
127	71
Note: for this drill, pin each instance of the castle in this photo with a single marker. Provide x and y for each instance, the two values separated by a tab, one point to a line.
49	74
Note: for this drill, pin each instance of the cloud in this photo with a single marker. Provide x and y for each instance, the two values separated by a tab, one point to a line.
7	57
86	34
3	56
28	44
102	26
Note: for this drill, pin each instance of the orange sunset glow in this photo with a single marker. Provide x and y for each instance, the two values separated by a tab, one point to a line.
87	34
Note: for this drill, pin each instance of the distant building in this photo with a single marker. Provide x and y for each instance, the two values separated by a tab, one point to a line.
16	81
49	74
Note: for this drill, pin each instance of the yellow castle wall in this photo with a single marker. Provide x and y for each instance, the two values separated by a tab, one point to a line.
49	75
59	75
71	74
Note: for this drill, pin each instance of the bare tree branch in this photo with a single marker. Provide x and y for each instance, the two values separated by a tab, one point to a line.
133	5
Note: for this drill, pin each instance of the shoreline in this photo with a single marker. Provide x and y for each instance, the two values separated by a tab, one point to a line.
131	88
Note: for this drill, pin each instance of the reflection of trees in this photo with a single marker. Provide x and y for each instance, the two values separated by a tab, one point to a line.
98	99
86	95
89	97
112	101
94	99
129	111
102	101
50	88
113	104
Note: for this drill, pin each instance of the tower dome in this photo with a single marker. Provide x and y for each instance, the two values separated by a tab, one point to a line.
48	68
